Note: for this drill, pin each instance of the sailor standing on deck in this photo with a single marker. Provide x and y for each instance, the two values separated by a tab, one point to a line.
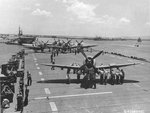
68	77
118	73
29	79
53	62
51	58
122	76
26	96
19	102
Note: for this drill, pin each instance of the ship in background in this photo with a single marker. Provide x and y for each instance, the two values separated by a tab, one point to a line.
138	43
21	39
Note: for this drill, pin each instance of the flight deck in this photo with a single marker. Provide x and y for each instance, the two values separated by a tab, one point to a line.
49	92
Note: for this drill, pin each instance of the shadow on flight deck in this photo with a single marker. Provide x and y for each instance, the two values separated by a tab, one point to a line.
63	81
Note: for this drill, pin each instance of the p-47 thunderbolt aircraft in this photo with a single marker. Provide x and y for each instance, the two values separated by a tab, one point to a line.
79	47
89	68
67	46
37	45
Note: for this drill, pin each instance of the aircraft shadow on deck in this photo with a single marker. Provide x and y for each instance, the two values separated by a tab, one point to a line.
64	81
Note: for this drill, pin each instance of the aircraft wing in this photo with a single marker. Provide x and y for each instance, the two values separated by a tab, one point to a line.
31	47
62	66
88	46
115	65
84	46
54	47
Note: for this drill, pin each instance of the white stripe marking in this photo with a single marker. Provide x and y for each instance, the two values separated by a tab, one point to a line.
42	79
38	67
35	59
119	57
36	64
47	91
53	106
112	56
65	96
137	85
40	73
130	60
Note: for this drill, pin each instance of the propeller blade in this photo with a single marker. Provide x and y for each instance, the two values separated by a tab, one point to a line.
63	41
47	42
69	42
77	41
81	42
42	42
97	54
83	53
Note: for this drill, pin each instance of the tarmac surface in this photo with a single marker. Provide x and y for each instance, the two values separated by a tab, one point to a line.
49	92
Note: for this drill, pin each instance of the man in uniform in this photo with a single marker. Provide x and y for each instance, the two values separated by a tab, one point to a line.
51	58
118	76
105	75
122	75
29	79
26	96
19	102
68	77
101	74
53	62
112	76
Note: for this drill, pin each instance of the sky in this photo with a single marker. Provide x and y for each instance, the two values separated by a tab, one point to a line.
76	17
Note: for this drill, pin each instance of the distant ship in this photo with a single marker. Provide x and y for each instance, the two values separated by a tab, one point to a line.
138	43
139	39
21	39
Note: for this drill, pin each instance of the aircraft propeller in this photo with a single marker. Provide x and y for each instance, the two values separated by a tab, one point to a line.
79	43
97	54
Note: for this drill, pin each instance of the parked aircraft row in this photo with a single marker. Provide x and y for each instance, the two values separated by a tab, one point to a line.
57	45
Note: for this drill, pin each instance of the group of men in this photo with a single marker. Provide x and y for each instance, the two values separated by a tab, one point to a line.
113	76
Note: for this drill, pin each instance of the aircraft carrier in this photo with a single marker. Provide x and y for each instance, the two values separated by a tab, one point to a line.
49	92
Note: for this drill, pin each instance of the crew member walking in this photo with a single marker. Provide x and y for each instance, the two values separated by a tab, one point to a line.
29	79
26	96
53	62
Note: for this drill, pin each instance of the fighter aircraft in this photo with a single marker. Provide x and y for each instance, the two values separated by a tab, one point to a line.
68	47
63	46
37	45
80	46
89	68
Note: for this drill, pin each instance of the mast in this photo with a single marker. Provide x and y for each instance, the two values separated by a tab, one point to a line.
20	32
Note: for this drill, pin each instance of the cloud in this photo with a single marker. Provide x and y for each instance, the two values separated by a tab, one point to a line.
85	12
124	20
39	12
37	4
26	8
148	23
